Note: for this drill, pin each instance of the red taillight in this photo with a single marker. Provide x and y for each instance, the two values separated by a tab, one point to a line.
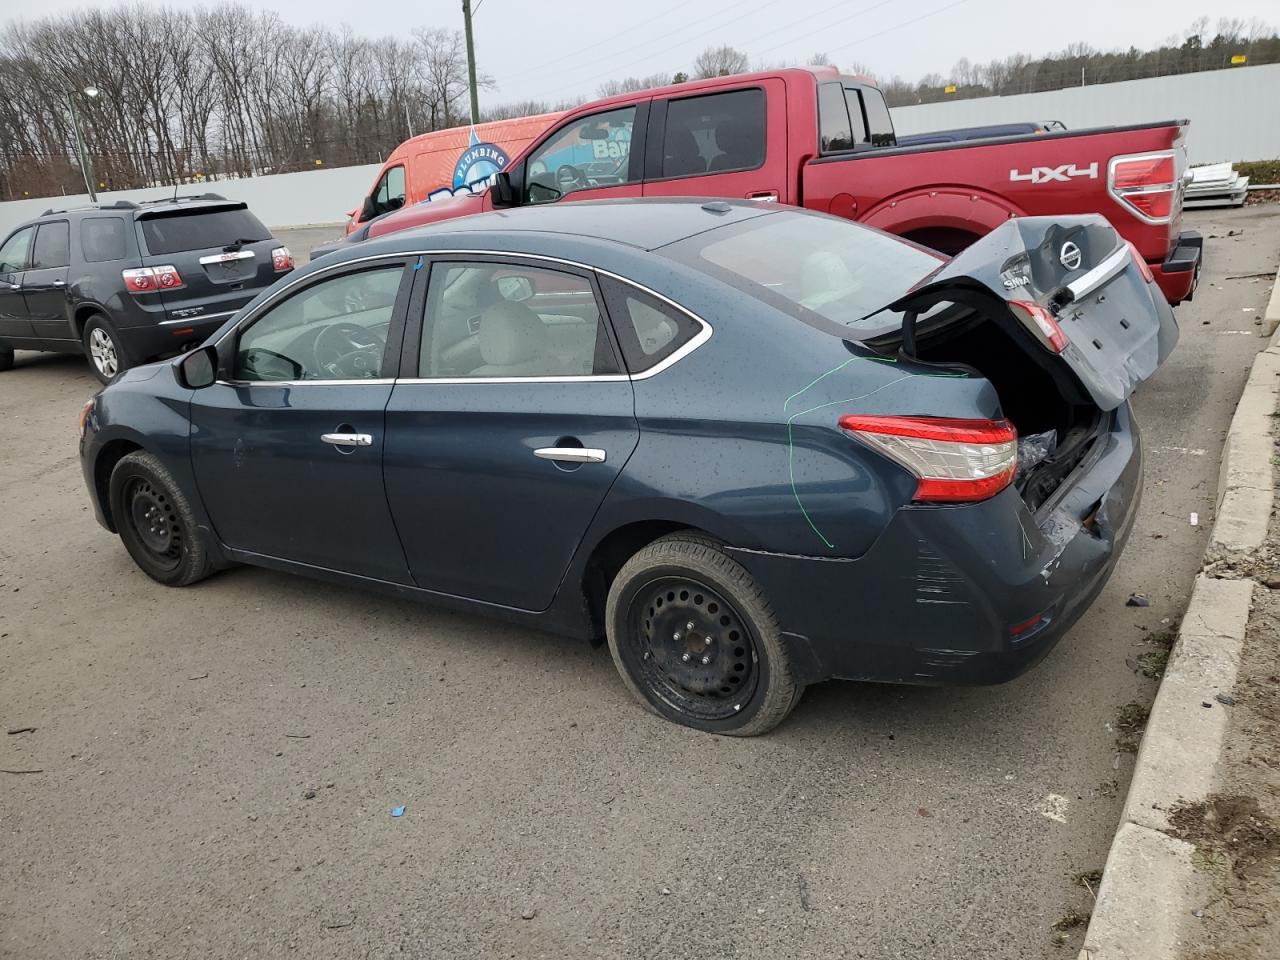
953	461
152	279
1143	267
1042	323
1146	184
281	259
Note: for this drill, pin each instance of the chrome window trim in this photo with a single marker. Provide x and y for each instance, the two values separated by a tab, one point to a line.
371	382
694	342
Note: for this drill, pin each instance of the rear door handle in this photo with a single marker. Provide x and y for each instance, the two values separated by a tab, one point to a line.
348	439
59	283
766	195
571	454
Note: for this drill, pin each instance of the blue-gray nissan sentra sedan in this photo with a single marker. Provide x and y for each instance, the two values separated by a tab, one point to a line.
752	447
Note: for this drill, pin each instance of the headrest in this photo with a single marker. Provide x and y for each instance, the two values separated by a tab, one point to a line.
510	333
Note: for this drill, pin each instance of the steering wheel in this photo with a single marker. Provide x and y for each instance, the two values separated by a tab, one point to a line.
569	177
349	351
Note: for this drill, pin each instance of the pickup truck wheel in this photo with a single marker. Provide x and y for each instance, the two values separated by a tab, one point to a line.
696	641
156	523
104	348
6	357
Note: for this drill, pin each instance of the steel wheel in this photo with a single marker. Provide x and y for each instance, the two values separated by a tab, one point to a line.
154	522
102	353
698	653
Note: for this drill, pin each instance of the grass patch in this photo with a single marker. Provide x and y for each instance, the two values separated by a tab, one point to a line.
1259	171
1152	665
1131	720
1089	879
1164	637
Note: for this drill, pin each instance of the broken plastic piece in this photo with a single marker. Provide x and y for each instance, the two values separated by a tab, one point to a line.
398	811
1034	449
1137	600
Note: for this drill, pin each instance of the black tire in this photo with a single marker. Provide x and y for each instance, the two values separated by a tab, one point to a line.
6	357
746	684
156	523
104	349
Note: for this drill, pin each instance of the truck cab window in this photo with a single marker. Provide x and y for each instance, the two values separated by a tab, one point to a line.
592	151
714	134
879	126
390	192
835	132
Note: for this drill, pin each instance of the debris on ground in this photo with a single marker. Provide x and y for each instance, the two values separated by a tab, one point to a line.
310	794
398	811
1137	600
1152	665
529	913
1225	699
20	730
1131	720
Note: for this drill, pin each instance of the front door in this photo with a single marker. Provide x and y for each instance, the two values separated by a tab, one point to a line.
287	446
44	286
502	448
14	321
589	158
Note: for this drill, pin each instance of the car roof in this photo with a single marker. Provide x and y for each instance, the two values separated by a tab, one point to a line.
645	224
209	201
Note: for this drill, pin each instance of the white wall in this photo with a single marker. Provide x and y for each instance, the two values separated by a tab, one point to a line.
279	200
1234	114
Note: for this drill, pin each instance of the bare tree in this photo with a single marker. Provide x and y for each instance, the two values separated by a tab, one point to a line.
719	62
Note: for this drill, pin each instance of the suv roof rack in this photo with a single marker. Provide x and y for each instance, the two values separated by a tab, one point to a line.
113	205
188	197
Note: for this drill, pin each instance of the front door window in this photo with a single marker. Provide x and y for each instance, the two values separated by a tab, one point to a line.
593	151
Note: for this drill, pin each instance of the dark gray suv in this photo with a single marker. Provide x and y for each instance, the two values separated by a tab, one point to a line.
127	282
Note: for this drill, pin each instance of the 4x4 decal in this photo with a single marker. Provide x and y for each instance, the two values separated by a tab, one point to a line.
1062	174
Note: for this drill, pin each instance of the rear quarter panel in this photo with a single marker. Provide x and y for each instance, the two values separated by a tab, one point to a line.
978	186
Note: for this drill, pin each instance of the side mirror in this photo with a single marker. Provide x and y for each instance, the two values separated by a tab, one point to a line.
501	193
199	368
367	210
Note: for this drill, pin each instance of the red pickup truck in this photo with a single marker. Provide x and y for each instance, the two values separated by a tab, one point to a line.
813	138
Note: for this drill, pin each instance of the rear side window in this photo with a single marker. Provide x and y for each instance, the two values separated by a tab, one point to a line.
201	230
714	134
835	131
648	330
102	239
52	247
879	126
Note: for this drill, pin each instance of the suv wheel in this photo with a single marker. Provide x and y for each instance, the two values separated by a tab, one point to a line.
103	347
696	641
6	357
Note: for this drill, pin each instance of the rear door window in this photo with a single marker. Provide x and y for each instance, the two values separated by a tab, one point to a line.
102	239
835	130
52	247
879	125
716	133
648	330
201	230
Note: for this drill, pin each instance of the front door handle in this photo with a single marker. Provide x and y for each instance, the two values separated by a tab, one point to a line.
769	196
348	439
570	454
59	283
15	286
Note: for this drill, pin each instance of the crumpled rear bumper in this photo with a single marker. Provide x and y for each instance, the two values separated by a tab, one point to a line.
962	594
1179	274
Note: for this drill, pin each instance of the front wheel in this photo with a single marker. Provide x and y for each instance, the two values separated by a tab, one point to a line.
696	641
156	523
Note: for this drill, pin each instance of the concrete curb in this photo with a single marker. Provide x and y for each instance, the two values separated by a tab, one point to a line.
1149	880
1271	319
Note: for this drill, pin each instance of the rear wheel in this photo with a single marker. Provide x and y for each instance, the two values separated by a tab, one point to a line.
6	357
696	641
156	523
104	348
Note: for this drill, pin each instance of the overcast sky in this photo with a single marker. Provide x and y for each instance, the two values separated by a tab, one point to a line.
554	49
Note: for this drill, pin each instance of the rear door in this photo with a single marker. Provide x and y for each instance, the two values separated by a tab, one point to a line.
514	422
44	286
222	254
1080	289
724	144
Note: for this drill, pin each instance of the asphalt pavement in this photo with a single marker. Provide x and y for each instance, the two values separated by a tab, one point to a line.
218	765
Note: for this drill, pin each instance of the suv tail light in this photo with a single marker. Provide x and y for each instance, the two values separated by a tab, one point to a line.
281	259
953	461
1146	183
152	279
1041	322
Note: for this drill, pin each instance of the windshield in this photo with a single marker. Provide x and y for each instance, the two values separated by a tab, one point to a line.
840	271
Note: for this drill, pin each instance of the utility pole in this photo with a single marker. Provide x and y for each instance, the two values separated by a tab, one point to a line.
471	61
85	167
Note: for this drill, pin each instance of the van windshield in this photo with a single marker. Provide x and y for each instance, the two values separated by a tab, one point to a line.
813	266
